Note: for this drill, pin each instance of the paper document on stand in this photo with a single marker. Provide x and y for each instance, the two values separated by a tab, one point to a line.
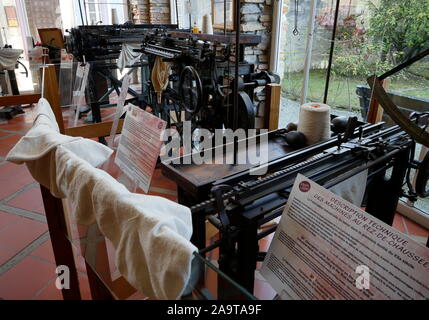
139	145
327	248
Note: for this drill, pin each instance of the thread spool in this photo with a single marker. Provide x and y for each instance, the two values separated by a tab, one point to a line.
207	24
315	122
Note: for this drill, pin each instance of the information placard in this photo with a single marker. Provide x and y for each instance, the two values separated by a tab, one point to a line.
78	100
119	108
139	145
327	248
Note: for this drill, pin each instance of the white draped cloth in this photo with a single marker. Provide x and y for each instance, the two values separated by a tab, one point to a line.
9	57
128	56
150	234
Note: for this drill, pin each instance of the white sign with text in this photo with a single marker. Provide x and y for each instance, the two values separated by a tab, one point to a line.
327	248
140	145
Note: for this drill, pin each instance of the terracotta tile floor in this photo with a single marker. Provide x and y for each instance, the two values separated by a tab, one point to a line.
27	264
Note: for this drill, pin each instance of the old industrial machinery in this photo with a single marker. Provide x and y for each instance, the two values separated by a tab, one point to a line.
238	202
202	77
101	47
201	81
104	42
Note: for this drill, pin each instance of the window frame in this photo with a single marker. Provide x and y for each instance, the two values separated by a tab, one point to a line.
230	27
9	18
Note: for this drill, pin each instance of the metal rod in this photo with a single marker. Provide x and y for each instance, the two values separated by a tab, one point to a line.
177	12
190	16
81	14
237	57
331	52
308	51
86	13
224	17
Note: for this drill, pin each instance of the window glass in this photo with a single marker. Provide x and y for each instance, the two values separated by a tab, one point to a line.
371	37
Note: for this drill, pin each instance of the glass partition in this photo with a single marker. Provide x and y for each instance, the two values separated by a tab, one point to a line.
98	253
370	37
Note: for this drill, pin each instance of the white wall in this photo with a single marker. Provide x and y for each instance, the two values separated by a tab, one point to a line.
68	14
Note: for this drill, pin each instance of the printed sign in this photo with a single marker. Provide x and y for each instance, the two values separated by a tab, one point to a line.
327	248
81	80
140	145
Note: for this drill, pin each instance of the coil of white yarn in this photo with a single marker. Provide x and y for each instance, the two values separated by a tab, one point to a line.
207	24
315	122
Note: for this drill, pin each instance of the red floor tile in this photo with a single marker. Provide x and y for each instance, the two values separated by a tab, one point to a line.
5	255
6	144
26	279
85	291
13	126
13	178
398	223
30	200
51	292
19	123
7	219
4	134
22	233
415	229
45	251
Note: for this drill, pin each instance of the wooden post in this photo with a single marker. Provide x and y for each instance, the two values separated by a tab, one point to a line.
55	213
54	210
375	113
52	95
272	106
63	250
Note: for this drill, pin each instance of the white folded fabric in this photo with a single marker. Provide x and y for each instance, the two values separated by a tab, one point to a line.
37	148
9	57
150	234
128	56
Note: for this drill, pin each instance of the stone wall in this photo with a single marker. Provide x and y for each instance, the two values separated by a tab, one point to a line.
256	18
140	11
151	11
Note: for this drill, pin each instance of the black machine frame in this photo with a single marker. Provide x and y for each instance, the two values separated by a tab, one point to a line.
203	82
238	204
